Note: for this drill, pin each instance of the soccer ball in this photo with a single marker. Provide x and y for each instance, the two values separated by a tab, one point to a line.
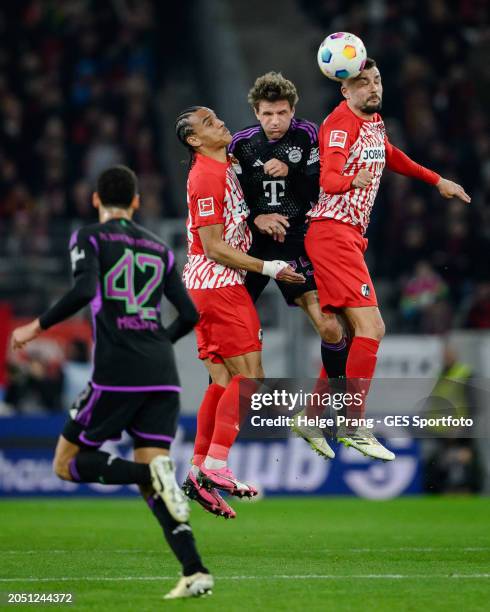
341	55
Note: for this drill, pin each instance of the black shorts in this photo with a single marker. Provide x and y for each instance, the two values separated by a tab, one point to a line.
149	417
291	250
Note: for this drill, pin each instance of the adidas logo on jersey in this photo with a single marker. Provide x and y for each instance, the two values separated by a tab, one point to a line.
257	163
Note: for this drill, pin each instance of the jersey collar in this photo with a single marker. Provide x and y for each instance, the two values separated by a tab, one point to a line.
212	163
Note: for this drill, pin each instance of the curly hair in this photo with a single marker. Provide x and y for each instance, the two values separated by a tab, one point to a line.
272	87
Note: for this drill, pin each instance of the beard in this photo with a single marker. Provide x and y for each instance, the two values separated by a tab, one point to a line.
372	107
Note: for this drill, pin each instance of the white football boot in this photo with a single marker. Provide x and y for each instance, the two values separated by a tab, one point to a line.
163	480
365	442
197	585
314	436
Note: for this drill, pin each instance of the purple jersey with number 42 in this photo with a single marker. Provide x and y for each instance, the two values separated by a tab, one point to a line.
132	266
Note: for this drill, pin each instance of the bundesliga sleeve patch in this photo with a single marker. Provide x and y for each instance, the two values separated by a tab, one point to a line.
205	207
338	138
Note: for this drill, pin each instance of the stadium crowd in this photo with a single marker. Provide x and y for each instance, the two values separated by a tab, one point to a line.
77	88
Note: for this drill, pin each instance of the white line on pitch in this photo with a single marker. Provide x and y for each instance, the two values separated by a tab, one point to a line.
265	577
145	551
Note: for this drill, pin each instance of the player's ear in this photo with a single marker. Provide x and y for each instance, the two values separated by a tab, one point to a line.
344	91
96	203
135	202
194	141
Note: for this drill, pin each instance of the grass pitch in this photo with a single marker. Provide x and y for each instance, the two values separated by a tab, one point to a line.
279	554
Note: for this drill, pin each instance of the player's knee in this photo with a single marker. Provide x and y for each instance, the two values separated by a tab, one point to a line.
61	468
379	330
330	330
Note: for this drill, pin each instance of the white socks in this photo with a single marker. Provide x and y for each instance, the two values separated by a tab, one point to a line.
213	464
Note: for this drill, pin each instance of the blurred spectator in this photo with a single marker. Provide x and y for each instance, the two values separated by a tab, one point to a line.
35	383
479	308
423	303
452	465
453	468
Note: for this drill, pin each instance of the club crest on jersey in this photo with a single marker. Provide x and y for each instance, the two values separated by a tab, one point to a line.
365	290
205	207
295	154
338	138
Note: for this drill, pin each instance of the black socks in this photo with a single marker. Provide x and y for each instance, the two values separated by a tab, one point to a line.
98	466
179	537
334	358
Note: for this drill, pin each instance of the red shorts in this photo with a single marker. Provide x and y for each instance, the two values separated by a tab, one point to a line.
228	323
336	251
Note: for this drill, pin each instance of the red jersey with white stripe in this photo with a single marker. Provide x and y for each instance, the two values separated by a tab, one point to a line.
347	145
363	145
214	196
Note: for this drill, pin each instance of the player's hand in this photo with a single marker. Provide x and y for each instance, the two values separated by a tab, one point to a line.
362	179
449	189
22	335
281	270
276	168
288	275
273	224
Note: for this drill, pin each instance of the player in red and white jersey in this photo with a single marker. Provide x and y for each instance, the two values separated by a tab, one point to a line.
228	333
354	151
224	205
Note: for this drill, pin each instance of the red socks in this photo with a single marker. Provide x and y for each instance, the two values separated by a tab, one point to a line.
227	421
314	409
205	422
361	363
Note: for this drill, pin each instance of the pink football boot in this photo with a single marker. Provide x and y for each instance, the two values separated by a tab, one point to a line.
209	499
225	479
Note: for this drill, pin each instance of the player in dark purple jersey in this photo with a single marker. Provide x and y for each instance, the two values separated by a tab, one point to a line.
278	168
123	271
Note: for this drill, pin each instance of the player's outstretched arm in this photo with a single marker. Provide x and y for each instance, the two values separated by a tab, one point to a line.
82	292
399	162
221	252
449	189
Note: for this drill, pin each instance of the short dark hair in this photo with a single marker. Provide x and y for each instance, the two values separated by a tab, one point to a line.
272	87
370	63
117	186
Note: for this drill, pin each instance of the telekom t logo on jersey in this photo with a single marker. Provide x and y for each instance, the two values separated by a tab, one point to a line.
275	191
